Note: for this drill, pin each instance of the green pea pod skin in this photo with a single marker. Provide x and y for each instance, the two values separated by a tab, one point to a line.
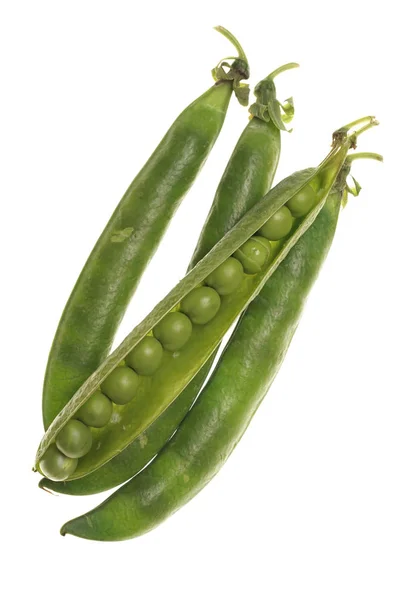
247	177
155	393
225	407
113	270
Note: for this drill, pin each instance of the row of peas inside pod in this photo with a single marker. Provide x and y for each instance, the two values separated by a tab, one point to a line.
198	308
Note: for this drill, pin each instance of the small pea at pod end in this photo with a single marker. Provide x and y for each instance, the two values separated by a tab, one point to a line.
55	465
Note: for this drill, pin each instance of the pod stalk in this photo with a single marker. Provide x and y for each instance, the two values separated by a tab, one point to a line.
369	120
281	69
342	133
236	71
342	184
370	155
267	107
229	36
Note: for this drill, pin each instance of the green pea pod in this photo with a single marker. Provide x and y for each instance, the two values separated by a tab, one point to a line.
152	395
247	177
155	393
113	270
225	407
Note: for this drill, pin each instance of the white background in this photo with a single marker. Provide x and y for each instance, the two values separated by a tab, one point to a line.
308	504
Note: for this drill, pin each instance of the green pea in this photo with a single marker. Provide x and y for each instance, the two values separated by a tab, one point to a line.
121	384
253	254
201	305
55	465
277	226
146	357
96	412
75	439
302	202
227	277
173	331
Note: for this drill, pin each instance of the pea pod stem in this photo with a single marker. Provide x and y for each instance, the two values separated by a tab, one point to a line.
354	189
362	155
267	107
365	127
366	124
229	36
282	69
365	121
238	70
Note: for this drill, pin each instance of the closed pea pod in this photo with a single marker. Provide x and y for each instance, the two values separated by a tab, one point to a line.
247	177
156	393
225	407
113	270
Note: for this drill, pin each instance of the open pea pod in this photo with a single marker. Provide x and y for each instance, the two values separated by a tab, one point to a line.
156	392
223	410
